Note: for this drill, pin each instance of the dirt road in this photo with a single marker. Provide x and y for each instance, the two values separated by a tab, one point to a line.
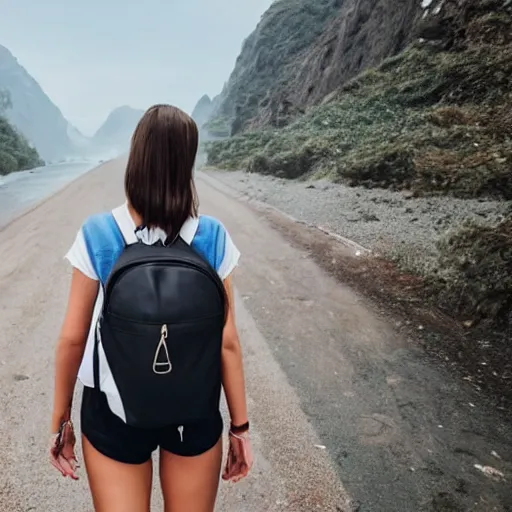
341	404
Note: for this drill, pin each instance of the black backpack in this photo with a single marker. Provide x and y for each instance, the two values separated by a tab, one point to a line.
161	328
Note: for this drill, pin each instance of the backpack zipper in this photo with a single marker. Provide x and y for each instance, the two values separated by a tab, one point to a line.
181	429
162	345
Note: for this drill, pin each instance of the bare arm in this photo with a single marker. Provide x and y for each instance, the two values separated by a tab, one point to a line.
71	344
232	365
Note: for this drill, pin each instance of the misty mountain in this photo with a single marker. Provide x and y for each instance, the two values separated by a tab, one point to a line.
78	140
32	112
202	111
202	115
115	133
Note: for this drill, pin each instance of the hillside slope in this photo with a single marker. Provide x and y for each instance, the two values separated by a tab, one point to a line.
432	119
32	112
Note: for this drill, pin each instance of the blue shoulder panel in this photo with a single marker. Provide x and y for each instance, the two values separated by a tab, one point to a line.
210	240
104	242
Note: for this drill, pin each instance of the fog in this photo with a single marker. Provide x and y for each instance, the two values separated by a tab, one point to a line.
91	57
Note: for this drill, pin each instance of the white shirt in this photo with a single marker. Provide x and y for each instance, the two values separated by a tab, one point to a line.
79	258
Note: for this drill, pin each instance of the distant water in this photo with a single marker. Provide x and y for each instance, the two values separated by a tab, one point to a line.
21	190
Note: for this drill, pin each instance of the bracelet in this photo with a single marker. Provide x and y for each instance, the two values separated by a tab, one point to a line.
62	427
62	424
239	429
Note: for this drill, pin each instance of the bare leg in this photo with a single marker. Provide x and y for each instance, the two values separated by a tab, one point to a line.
117	487
190	484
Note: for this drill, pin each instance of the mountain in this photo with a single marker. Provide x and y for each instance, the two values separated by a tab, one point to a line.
202	111
34	116
78	140
115	133
202	114
32	111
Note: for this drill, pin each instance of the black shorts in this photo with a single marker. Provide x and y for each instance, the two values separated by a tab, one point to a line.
113	438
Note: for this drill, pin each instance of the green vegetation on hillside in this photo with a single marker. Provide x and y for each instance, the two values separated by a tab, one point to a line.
474	277
218	126
435	119
15	152
426	120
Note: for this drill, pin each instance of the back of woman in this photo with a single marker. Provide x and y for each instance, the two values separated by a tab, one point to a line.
150	333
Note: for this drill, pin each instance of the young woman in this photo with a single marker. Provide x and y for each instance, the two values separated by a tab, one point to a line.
160	205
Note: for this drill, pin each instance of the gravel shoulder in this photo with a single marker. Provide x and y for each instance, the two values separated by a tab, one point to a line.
393	224
401	231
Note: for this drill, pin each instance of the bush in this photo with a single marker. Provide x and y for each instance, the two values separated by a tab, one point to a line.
391	167
8	163
292	164
475	272
15	152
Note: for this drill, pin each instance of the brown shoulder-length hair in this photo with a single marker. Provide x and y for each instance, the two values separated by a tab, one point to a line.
159	182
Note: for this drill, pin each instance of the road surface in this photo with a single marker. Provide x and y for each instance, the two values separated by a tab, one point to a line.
346	414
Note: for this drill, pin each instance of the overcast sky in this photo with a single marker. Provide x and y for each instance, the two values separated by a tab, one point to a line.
92	56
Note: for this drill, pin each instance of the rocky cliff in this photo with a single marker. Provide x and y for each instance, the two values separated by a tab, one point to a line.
302	50
32	112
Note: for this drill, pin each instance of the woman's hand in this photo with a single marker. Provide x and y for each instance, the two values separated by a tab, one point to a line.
68	356
240	457
62	451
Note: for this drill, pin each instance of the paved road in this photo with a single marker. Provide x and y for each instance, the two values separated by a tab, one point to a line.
335	394
290	473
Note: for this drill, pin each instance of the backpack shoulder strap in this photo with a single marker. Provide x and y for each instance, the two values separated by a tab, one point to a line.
104	242
210	240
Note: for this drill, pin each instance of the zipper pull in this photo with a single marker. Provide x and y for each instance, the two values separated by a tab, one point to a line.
164	366
181	428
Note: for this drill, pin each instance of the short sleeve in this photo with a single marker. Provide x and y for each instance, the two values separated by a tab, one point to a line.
79	258
214	243
230	258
